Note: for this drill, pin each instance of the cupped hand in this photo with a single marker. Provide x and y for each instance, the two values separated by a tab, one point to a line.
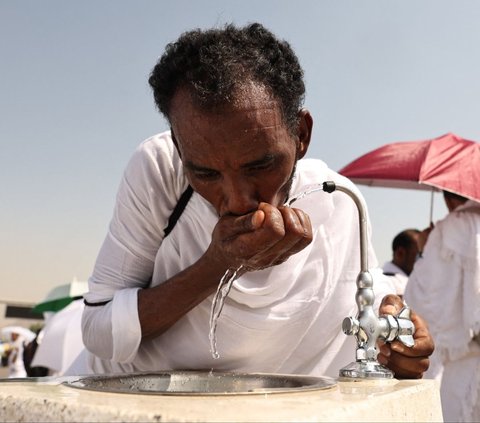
406	362
260	239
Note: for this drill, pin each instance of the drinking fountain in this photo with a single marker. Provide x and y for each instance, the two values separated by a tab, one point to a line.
366	326
231	396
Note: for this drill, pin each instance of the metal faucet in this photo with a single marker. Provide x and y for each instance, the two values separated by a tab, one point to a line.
366	326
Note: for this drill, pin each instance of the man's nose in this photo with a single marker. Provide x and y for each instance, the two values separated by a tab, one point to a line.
239	198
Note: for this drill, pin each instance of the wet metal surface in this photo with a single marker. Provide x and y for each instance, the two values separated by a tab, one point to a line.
201	383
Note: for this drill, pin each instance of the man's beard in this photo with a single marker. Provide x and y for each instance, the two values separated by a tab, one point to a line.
288	185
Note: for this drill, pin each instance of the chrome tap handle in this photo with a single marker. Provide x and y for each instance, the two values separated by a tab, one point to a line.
350	326
398	327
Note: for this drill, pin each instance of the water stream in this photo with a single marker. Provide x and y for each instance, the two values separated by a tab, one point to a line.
218	300
309	189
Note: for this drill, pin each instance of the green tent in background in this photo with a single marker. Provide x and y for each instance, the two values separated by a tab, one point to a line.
61	296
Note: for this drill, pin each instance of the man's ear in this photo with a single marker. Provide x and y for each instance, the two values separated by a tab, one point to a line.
175	142
304	132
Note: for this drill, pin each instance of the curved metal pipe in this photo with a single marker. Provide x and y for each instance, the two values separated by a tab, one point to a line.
331	186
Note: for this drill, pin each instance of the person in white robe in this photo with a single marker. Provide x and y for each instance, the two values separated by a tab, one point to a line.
445	288
16	365
239	134
405	251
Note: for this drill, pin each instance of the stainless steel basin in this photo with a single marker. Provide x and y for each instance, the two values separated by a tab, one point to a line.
200	383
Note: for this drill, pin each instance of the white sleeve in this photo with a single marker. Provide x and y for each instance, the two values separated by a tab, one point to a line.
149	191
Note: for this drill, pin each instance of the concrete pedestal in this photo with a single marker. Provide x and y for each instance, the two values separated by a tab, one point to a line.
365	401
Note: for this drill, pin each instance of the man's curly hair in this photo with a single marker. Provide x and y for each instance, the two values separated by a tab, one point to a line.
213	63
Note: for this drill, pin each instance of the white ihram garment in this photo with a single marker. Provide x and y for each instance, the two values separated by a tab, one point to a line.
444	288
397	276
284	319
16	366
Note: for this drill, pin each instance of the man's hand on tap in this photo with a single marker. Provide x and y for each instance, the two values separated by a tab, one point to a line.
406	362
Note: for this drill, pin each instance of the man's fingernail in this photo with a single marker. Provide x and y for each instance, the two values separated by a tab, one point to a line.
397	347
257	219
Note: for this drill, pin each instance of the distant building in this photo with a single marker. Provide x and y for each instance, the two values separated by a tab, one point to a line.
16	313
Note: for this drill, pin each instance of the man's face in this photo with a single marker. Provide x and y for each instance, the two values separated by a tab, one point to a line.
408	256
411	258
237	157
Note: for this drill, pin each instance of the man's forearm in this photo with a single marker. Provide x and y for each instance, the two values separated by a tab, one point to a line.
163	305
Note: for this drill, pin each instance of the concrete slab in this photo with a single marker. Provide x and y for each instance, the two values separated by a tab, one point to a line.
47	399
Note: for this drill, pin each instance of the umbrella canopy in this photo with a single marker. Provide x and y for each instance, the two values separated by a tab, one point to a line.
25	333
446	163
61	341
61	296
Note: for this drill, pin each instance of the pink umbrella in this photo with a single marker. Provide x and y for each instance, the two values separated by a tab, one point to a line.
446	163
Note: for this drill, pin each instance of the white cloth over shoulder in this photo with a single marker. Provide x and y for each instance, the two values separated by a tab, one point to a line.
151	186
396	275
284	319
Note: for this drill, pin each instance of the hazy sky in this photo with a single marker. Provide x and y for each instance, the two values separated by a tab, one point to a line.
75	102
